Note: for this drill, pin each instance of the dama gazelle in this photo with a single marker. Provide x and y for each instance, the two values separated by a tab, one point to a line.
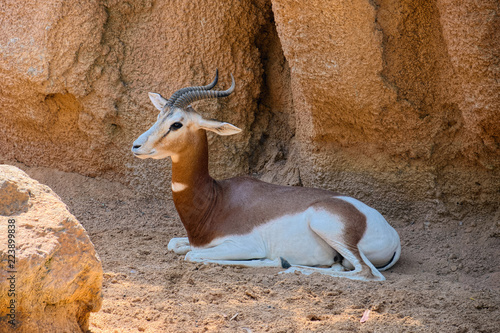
246	222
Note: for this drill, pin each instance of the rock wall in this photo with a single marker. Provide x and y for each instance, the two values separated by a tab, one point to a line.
394	102
75	78
402	94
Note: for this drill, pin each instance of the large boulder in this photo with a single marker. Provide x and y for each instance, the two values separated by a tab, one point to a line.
56	279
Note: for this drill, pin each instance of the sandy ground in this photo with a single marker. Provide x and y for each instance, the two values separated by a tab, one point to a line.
447	280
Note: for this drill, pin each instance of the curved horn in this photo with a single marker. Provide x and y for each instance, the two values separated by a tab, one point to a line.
182	91
196	95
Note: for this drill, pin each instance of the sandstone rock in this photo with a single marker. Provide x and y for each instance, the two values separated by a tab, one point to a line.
75	76
12	199
57	273
399	93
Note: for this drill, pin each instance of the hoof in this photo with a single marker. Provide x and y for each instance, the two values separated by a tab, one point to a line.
284	263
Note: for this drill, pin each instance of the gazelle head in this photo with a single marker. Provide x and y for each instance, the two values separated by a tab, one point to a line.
174	130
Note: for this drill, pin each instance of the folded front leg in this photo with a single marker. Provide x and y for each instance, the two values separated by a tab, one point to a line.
179	245
233	253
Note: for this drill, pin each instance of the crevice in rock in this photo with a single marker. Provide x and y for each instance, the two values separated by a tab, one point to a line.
273	129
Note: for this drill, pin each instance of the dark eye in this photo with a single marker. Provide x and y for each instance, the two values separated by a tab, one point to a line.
175	126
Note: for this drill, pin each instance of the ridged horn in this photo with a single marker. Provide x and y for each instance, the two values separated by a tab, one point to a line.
182	91
196	95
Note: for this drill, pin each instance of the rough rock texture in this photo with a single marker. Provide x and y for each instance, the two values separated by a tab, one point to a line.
75	78
58	276
397	102
394	102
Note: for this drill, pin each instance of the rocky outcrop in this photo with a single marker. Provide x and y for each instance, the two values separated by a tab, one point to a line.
56	278
395	102
403	94
75	78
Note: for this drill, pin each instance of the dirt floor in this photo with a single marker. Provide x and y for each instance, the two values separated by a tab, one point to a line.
447	280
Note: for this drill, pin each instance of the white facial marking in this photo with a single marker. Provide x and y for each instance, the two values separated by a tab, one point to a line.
178	187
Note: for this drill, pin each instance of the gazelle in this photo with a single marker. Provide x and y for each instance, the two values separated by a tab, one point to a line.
246	222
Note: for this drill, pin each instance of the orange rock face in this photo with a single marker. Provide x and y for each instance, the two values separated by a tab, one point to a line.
404	94
75	79
394	102
50	274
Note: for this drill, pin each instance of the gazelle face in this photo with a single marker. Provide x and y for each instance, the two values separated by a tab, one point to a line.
173	131
168	135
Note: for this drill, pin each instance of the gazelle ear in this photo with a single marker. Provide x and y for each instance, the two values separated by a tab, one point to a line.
219	127
158	101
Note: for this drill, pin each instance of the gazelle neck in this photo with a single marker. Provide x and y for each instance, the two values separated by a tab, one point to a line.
193	190
190	168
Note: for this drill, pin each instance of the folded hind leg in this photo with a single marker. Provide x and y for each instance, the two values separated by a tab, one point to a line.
344	238
363	269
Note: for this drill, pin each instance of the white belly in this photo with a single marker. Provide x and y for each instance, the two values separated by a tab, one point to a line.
291	238
287	237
